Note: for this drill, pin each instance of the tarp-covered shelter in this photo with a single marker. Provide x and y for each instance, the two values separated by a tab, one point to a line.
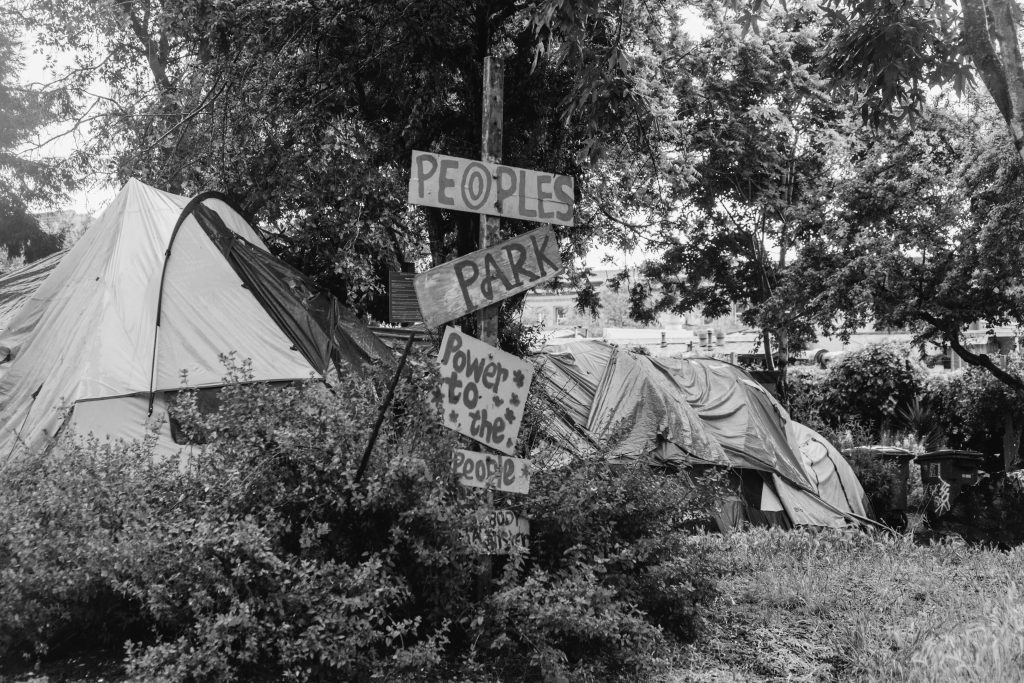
158	289
698	412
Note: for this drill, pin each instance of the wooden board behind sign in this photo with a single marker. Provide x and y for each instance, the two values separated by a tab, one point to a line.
483	390
494	189
499	531
490	470
486	276
402	304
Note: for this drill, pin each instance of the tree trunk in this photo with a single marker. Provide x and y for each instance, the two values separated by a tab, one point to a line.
766	339
1013	428
990	35
782	363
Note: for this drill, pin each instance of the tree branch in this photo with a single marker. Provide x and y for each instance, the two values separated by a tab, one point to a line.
982	360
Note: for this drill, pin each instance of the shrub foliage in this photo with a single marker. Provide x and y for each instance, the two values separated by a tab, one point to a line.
973	406
260	557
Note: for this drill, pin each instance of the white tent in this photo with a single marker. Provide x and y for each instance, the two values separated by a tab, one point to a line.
156	291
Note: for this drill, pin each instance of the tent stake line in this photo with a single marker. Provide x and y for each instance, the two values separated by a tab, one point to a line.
384	407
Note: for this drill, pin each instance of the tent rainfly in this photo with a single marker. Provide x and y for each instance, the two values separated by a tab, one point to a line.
157	290
700	412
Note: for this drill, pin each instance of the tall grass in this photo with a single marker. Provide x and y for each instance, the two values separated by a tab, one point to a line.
823	606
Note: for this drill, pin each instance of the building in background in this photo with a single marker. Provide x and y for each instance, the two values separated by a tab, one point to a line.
554	310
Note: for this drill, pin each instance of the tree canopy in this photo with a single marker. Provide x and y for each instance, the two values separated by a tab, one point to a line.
307	114
25	180
741	155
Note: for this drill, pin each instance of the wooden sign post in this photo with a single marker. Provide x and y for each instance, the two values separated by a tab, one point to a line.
484	389
490	227
491	139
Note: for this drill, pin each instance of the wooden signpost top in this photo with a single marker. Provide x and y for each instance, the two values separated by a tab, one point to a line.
487	276
494	189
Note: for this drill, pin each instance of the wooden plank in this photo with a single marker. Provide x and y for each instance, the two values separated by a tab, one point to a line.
403	307
483	390
491	471
490	188
499	531
485	277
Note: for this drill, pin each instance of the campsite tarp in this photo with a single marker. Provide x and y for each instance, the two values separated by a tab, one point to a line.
697	412
149	298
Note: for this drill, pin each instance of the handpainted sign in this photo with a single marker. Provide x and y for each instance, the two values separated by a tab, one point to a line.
487	276
490	470
483	390
494	189
499	531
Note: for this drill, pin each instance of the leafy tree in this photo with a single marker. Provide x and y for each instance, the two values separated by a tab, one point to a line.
923	232
893	52
762	124
24	180
890	54
307	114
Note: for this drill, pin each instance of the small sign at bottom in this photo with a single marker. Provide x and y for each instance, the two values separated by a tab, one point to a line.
498	532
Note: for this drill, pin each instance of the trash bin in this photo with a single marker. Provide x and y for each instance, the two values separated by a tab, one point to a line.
945	473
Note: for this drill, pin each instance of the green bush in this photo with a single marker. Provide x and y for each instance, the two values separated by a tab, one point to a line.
972	406
261	558
805	394
880	478
871	385
612	578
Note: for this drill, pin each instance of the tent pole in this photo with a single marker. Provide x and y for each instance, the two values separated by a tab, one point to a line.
384	407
